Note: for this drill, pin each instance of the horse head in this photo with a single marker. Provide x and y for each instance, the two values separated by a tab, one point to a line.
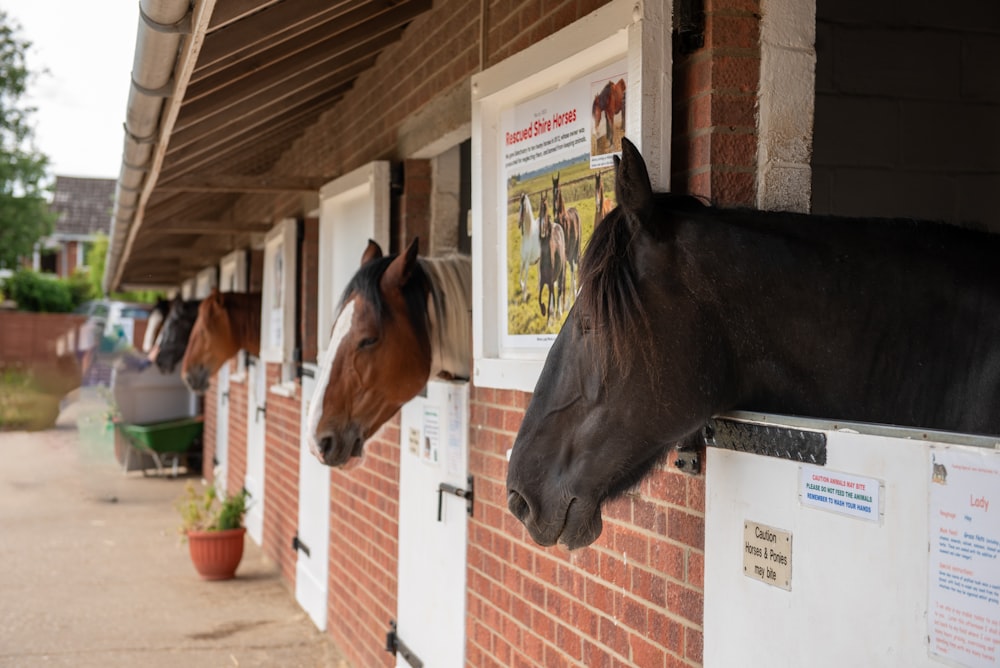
212	343
524	214
379	355
595	426
175	333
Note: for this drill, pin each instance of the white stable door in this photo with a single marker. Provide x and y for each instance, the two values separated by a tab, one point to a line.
313	533
432	551
256	415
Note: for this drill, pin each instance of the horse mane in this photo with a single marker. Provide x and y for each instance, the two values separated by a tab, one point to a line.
243	309
608	300
447	281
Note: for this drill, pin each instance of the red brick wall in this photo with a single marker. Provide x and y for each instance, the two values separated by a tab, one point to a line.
714	150
281	480
71	251
236	452
364	534
31	337
211	404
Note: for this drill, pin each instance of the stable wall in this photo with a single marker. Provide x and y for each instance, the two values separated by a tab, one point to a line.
907	99
636	596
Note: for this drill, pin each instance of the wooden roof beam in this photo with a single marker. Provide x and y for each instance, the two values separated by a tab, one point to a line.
230	183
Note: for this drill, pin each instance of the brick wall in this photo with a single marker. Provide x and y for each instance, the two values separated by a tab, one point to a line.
236	453
714	149
364	544
31	337
208	434
281	480
906	109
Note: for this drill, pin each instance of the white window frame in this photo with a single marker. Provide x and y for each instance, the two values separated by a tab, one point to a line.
622	29
281	238
356	201
204	281
188	289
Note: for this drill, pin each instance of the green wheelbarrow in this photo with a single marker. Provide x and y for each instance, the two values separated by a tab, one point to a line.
170	439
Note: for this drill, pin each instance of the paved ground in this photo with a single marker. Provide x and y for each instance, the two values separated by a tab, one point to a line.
87	581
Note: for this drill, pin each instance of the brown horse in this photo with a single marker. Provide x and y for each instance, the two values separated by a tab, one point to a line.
401	321
610	101
569	220
227	322
602	205
551	263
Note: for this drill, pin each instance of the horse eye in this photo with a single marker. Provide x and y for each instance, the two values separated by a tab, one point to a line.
367	342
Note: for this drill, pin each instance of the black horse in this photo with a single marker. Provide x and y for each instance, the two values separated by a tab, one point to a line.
175	333
686	311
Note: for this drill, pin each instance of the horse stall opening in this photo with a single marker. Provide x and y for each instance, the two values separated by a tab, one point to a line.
847	544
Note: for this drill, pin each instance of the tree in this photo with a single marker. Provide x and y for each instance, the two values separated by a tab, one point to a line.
24	212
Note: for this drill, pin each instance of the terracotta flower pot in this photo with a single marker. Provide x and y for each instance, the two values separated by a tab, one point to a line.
216	554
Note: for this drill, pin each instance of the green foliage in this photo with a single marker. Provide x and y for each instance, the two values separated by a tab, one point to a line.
35	292
24	214
80	287
96	256
205	511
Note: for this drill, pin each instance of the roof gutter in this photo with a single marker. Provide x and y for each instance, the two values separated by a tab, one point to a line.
161	70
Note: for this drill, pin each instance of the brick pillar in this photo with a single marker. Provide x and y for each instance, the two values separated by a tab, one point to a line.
715	107
415	204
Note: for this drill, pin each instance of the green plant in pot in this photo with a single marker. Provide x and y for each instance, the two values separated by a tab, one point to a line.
213	526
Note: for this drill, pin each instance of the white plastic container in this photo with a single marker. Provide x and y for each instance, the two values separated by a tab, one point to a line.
148	396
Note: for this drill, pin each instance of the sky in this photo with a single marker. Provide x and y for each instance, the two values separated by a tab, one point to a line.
82	52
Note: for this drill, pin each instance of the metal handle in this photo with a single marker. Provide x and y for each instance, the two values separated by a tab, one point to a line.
467	494
225	397
394	644
299	545
261	410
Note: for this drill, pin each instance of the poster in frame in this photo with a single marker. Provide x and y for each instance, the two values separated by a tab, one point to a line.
545	123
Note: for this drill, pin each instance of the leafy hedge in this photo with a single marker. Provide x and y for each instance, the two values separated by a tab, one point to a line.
34	292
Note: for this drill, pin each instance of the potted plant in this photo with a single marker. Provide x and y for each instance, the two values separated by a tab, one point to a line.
213	526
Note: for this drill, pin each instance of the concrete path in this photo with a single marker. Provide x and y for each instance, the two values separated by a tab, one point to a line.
93	572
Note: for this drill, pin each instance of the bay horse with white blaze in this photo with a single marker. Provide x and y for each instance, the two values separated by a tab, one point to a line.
686	311
227	323
401	321
610	101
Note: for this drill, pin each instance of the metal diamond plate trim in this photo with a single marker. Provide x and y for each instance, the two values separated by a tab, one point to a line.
798	445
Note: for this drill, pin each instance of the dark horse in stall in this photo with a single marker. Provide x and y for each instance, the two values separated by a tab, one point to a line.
569	221
401	321
172	342
686	311
551	263
227	323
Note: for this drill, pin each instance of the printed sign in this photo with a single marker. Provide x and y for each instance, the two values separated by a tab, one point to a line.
557	151
767	555
964	575
842	493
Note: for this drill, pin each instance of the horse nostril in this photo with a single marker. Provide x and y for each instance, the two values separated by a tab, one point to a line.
517	505
325	445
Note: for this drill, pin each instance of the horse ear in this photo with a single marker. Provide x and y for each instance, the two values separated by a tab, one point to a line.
372	252
632	187
401	268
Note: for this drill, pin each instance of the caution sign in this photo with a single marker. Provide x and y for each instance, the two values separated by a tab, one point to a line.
767	554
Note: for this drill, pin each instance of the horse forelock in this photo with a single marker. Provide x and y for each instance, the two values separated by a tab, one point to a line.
609	297
366	283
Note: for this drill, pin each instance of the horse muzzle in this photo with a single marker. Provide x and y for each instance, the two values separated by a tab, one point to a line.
337	448
197	379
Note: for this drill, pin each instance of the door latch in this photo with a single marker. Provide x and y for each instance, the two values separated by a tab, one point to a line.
394	644
467	494
261	410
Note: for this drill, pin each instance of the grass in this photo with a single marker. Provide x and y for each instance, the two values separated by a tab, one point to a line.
24	403
577	184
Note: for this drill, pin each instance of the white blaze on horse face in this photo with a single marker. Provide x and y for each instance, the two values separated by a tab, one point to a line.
154	321
345	320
